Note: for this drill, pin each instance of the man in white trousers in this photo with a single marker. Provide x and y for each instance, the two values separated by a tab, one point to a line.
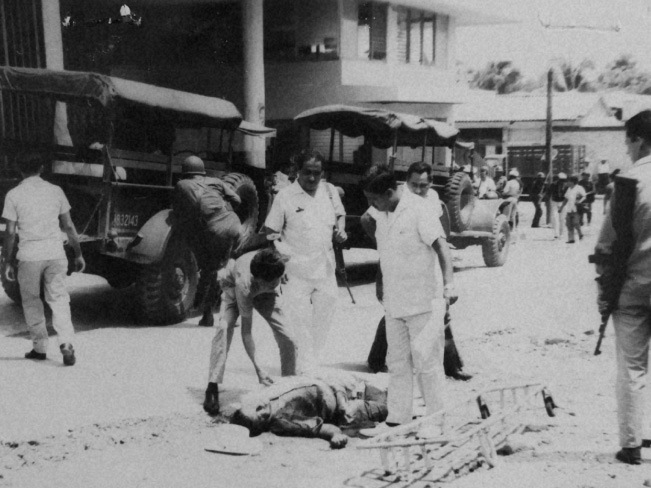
410	239
304	219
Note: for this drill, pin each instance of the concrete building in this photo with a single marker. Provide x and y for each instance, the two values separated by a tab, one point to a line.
400	53
585	121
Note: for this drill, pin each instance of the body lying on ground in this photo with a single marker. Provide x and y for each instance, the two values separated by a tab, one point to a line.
316	406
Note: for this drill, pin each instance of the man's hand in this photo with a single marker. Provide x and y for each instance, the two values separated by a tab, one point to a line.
338	441
8	271
80	264
450	293
264	378
340	236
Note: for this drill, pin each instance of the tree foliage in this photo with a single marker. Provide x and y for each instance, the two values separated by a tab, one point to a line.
623	73
500	76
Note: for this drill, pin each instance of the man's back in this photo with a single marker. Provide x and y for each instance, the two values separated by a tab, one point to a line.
35	205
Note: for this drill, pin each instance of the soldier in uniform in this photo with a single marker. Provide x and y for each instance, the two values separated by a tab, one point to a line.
203	211
624	252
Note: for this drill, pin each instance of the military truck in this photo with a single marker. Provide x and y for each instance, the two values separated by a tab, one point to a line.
466	219
117	154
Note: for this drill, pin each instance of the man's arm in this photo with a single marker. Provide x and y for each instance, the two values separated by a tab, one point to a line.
333	435
8	250
368	224
249	347
442	250
73	238
231	196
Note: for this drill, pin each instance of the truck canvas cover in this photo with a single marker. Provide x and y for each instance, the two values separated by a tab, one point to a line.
188	108
381	127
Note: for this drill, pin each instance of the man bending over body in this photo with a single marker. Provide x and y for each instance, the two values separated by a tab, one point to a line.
316	406
249	282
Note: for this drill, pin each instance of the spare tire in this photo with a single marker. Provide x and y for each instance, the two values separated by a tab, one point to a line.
460	200
247	210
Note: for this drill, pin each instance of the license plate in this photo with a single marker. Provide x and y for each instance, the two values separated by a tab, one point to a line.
125	221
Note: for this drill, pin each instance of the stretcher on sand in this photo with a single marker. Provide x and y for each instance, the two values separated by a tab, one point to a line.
459	438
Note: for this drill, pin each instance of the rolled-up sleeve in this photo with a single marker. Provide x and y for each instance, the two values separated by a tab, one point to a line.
429	227
276	219
9	211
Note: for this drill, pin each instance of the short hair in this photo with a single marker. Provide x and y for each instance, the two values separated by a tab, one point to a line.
419	168
268	265
573	179
306	155
30	162
378	179
639	126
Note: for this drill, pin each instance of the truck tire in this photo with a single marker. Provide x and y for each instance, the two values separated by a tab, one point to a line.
248	209
460	200
165	291
495	249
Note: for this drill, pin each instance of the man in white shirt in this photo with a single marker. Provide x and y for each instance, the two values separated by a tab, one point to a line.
37	211
304	219
410	239
250	282
485	185
419	182
574	195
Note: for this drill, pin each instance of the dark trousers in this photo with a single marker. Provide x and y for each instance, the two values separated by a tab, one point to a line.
536	199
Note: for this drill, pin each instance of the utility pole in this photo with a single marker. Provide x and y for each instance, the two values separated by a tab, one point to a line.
548	125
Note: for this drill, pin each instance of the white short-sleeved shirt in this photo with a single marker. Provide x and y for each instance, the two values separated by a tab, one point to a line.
306	225
35	206
237	274
572	195
404	240
485	186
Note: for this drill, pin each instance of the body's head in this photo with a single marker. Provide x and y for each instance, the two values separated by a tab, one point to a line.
191	166
585	176
638	135
573	180
419	178
540	175
483	173
268	267
380	188
309	167
514	174
254	413
30	163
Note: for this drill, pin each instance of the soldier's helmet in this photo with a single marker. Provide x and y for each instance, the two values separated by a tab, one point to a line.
193	165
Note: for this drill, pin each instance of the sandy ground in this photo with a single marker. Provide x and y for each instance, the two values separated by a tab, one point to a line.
129	413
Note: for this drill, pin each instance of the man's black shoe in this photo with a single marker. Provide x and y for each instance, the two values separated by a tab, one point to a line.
570	242
39	356
461	376
68	354
630	455
211	402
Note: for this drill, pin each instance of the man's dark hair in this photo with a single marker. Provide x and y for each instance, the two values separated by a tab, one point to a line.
573	179
639	126
268	265
419	168
378	179
306	155
30	162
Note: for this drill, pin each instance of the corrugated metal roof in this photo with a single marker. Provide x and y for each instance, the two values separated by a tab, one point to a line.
520	108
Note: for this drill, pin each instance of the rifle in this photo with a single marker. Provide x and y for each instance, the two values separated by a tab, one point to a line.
602	331
614	265
340	269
